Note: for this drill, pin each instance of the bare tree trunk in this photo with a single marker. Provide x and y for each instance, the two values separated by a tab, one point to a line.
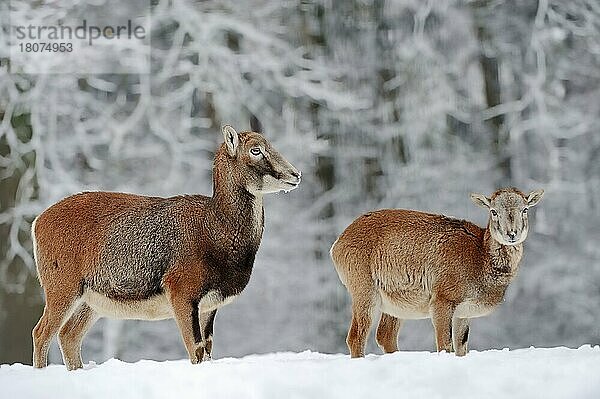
19	310
325	163
490	69
386	71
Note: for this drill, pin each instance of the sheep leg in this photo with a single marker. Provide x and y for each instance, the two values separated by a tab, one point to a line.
207	320
362	311
186	316
387	333
460	335
441	317
72	332
58	307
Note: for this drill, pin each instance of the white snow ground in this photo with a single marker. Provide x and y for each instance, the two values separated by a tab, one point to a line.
523	373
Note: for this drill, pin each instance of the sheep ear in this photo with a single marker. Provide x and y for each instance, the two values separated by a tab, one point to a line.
231	139
534	197
481	200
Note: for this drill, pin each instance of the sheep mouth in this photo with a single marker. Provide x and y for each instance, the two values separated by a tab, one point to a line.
289	185
512	241
292	181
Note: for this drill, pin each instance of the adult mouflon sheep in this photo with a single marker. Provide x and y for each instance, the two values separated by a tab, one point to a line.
135	257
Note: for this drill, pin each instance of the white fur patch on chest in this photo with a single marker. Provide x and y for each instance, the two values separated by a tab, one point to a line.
154	308
214	300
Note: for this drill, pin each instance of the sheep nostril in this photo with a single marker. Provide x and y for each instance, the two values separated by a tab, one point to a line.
512	234
296	174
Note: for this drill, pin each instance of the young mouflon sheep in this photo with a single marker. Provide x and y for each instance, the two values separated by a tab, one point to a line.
415	265
104	254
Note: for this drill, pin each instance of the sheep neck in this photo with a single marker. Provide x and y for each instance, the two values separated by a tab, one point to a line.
503	264
233	207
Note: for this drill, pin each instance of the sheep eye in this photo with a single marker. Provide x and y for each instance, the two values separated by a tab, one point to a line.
493	212
255	151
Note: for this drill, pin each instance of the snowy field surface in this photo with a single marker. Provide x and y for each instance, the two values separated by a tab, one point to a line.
523	373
